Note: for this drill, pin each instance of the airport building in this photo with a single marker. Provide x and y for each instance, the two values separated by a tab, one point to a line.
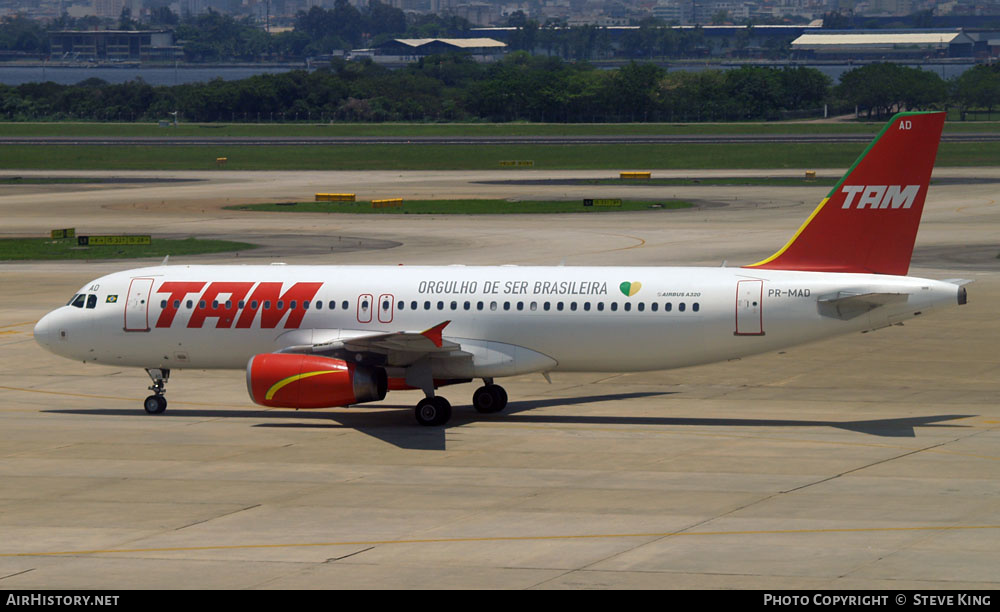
114	45
412	49
883	44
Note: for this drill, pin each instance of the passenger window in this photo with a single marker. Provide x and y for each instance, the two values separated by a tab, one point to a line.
572	305
506	305
440	305
479	305
559	306
201	304
467	305
291	304
413	305
454	305
520	305
493	305
163	303
628	306
401	305
642	306
695	307
281	304
681	307
253	305
267	304
654	306
177	303
427	305
229	304
333	305
600	306
668	307
614	306
385	304
547	305
91	301
190	304
586	306
215	304
534	306
318	306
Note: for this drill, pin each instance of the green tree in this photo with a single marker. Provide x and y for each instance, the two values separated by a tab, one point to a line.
884	88
636	90
978	87
22	34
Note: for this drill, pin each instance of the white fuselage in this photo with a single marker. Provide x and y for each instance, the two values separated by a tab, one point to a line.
512	320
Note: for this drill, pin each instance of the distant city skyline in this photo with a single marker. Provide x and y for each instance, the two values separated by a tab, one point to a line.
281	13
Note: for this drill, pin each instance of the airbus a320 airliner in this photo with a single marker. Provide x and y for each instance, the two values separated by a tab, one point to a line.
325	336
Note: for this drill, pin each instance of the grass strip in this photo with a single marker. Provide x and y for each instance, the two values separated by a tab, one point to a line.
464	207
291	130
19	249
463	157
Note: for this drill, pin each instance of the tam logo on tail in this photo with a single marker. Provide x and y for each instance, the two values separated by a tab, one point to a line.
880	196
892	175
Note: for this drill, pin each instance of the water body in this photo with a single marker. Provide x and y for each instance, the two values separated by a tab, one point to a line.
834	71
70	75
63	75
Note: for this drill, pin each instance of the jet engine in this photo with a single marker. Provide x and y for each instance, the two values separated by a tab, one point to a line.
289	380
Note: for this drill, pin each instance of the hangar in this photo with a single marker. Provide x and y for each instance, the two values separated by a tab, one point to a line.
411	49
881	44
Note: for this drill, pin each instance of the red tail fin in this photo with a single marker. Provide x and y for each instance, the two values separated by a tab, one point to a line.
868	222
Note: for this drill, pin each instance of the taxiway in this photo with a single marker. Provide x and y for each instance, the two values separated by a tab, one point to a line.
868	461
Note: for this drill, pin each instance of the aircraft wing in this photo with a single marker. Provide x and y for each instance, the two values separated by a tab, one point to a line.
395	348
847	305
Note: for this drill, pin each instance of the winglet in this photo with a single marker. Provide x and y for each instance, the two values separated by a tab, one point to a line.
434	334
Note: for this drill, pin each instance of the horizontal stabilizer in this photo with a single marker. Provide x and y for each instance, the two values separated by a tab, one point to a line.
847	305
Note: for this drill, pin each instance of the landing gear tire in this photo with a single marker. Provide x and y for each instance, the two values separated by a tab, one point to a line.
489	399
155	404
433	411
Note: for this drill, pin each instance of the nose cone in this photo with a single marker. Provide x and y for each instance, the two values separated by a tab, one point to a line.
47	331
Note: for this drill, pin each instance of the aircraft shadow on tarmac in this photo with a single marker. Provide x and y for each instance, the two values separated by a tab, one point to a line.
394	424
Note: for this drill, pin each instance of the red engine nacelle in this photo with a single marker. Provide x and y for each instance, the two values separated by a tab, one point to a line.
288	380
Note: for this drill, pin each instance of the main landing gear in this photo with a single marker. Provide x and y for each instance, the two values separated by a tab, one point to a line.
156	403
435	410
489	398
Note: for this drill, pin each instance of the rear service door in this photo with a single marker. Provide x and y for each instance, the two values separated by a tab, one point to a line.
749	308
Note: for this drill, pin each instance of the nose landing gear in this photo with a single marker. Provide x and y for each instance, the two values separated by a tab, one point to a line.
156	403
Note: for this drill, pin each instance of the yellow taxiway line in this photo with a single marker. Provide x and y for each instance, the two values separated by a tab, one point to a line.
671	534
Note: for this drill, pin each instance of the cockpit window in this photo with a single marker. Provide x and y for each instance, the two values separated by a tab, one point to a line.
77	300
91	301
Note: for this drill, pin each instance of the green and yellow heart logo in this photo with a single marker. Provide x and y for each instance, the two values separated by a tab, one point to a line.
630	288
